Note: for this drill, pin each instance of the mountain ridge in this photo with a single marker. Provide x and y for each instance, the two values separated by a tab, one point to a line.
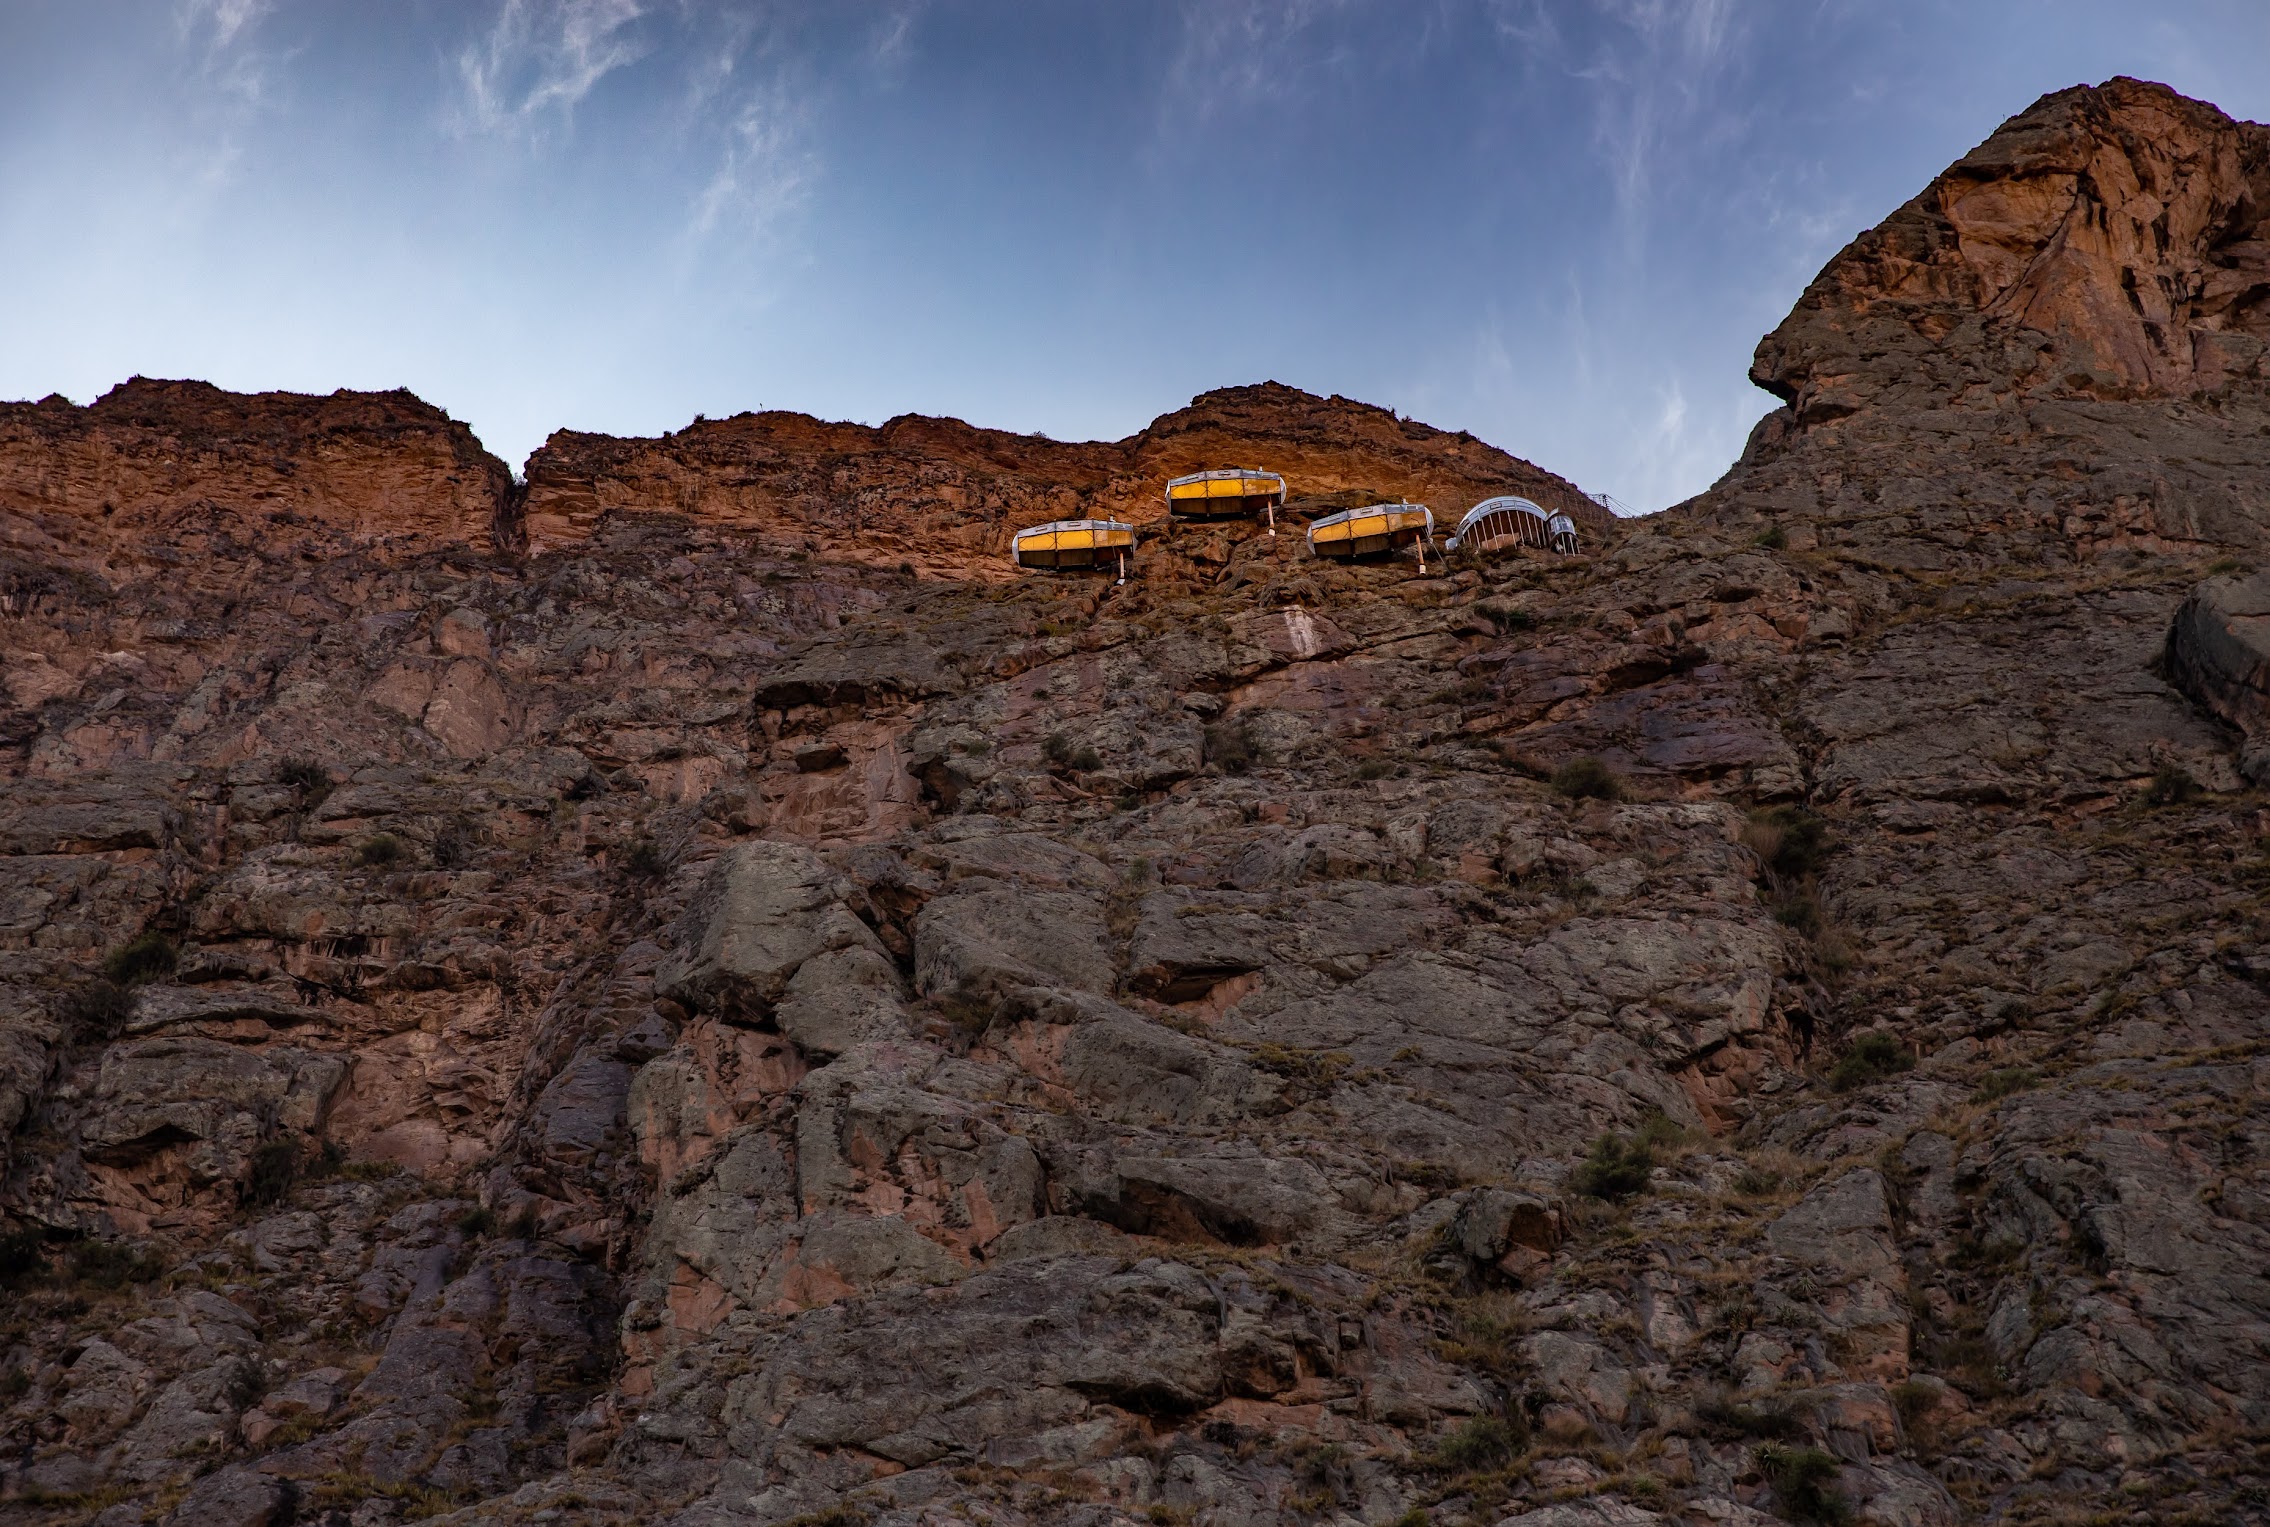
694	1004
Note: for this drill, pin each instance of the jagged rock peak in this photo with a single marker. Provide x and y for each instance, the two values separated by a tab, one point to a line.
2109	241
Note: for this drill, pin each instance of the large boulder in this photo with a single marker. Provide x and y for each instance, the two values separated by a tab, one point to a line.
986	939
2219	654
916	1378
764	910
213	1102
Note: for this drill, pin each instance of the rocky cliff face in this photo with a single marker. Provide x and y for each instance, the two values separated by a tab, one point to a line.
743	1013
184	473
945	497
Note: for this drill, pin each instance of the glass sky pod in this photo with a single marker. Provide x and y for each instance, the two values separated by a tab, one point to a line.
1499	522
1372	531
1064	546
1227	492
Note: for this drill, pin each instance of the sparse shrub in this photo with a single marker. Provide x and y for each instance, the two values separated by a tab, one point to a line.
845	1514
1914	1400
114	1264
23	1257
2172	785
452	845
1789	841
1757	1182
1804	1483
149	957
1715	1409
1659	1131
1437	1177
379	850
1871	1058
1588	778
1800	909
1465	692
1487	1338
1772	538
1375	768
306	779
1065	754
275	1167
1477	1445
1229	746
331	1161
96	1011
644	860
970	1015
2002	1082
476	1222
1617	1169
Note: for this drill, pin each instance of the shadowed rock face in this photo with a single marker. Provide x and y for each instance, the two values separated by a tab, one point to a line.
694	1023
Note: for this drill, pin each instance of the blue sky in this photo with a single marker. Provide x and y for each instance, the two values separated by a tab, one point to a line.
1562	224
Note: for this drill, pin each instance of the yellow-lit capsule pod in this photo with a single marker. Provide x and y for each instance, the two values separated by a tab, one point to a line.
1224	492
1372	531
1064	546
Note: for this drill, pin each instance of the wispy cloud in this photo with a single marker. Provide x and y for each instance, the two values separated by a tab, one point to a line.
749	99
233	82
217	22
1661	88
541	58
1241	53
1659	71
765	165
220	36
891	42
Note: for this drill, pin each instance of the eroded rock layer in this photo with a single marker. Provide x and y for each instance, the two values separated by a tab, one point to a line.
701	1022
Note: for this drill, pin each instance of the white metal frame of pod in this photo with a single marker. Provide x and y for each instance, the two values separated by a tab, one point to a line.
1064	546
1493	521
1401	524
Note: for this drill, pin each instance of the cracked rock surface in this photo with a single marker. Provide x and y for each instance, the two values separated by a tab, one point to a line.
682	992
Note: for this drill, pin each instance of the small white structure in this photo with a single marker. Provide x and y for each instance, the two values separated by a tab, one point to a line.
1510	521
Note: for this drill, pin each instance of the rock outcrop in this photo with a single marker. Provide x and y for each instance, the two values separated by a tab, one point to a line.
184	472
945	497
698	1022
2219	653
